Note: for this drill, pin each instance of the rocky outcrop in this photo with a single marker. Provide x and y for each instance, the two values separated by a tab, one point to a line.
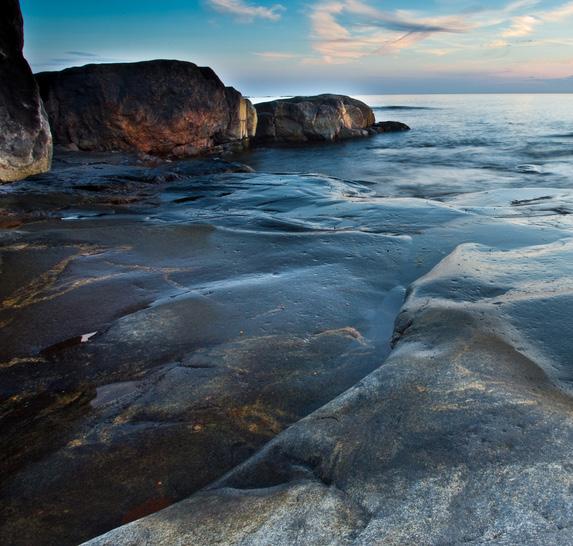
161	324
25	139
389	127
319	118
168	108
463	435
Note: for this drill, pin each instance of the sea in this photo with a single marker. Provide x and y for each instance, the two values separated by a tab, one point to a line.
458	144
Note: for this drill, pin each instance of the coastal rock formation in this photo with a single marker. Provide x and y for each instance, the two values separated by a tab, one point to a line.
161	324
463	436
25	138
318	118
166	108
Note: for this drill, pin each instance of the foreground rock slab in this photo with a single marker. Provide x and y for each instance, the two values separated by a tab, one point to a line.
144	352
160	323
463	436
25	138
166	108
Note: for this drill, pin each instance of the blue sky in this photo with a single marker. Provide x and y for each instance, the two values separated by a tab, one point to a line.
309	46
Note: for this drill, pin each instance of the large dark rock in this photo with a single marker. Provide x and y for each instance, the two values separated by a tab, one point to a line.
161	107
25	140
319	118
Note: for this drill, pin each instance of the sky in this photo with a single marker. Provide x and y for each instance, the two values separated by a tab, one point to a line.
314	46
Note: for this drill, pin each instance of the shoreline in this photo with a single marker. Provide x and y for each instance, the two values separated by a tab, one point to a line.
333	331
146	275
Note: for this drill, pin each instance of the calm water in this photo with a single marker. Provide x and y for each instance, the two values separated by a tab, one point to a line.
458	143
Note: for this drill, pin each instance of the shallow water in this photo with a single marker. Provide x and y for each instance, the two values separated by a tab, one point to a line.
458	143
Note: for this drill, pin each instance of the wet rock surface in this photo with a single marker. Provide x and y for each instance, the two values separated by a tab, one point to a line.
389	127
25	138
462	436
318	118
194	330
166	108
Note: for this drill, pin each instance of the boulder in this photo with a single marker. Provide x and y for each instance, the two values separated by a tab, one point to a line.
25	139
161	107
389	127
319	118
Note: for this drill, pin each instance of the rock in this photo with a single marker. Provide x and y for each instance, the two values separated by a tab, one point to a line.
214	406
25	138
389	127
227	307
463	435
166	108
318	118
243	116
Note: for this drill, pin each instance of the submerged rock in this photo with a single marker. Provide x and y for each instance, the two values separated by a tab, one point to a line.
25	138
318	118
170	108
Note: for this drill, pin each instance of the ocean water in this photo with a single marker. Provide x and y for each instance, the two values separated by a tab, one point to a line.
458	144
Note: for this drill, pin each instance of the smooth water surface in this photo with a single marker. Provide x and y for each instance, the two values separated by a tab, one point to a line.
458	143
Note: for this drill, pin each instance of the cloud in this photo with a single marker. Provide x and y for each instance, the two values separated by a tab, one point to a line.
525	25
558	14
438	52
82	54
402	21
246	10
496	44
403	42
344	31
521	26
347	30
520	4
74	58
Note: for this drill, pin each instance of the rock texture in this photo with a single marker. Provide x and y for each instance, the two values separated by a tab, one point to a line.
25	139
319	118
462	437
168	108
160	324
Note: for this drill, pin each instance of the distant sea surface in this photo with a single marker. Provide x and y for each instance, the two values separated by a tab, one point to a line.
458	144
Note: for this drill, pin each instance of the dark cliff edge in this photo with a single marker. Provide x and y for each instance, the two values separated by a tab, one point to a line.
25	139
